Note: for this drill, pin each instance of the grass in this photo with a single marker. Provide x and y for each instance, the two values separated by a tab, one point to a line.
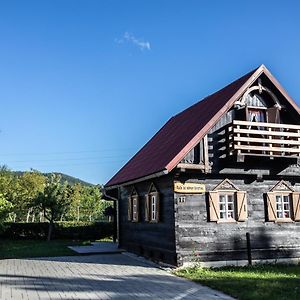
36	248
260	282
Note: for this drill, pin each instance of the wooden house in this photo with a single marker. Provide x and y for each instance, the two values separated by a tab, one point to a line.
223	169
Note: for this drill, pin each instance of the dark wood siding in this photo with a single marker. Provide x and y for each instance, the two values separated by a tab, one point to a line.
199	239
153	240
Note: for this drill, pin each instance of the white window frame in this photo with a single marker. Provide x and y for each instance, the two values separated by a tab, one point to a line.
153	204
226	209
280	212
134	203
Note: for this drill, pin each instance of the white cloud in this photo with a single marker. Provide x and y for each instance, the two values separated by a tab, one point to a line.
130	38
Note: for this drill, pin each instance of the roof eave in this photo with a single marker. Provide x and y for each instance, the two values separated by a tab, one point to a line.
148	177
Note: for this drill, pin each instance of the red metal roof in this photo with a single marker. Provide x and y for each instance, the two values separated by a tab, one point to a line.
169	145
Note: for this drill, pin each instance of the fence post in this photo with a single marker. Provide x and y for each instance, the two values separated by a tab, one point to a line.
249	249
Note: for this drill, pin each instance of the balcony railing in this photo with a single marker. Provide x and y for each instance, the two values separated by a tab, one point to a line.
264	139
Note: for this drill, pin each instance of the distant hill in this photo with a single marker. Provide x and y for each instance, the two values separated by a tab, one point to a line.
64	177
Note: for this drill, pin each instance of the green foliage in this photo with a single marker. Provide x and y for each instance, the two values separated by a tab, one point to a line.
5	195
62	230
86	204
5	208
54	200
36	197
258	282
26	188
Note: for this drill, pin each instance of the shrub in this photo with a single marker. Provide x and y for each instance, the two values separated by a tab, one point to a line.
62	230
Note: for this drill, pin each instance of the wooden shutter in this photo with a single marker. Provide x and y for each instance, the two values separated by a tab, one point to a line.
214	206
271	204
241	206
129	209
157	206
296	205
135	209
273	115
147	210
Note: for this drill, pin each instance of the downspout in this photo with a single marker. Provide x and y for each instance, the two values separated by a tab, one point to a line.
116	214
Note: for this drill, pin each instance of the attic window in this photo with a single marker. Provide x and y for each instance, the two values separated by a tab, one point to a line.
256	115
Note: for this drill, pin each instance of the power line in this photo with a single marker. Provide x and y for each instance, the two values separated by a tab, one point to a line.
65	152
64	159
76	164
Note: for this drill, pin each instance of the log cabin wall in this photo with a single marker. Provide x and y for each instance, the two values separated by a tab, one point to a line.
198	239
152	240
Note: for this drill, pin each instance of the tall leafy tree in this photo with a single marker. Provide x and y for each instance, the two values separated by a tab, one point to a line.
5	208
54	200
27	187
75	212
7	193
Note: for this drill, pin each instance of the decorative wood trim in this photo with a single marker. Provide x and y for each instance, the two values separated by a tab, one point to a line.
191	166
280	183
152	188
218	188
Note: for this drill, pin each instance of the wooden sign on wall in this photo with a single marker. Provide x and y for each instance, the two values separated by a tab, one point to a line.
189	188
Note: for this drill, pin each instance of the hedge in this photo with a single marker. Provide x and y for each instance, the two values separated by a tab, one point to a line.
62	230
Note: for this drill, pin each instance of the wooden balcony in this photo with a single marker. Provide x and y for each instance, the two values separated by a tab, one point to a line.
264	139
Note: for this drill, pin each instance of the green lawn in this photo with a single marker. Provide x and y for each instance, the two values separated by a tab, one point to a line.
260	282
36	248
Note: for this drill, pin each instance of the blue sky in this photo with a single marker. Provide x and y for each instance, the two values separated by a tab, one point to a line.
84	84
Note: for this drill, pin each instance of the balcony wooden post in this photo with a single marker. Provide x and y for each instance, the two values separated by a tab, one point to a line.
206	159
270	145
299	141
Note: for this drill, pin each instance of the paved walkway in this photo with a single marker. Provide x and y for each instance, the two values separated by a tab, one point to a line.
114	276
97	247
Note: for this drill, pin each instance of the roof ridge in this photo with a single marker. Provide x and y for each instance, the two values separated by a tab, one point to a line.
172	141
218	91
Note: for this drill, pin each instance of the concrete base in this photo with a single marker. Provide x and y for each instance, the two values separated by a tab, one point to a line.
97	248
217	264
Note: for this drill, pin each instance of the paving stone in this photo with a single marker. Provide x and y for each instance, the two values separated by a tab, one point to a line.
106	276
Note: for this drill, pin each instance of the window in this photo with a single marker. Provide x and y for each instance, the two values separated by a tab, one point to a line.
153	208
283	203
256	115
227	203
135	213
133	206
152	205
283	208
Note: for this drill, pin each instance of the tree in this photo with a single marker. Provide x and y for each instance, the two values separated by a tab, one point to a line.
7	193
27	187
90	203
53	201
75	198
5	208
